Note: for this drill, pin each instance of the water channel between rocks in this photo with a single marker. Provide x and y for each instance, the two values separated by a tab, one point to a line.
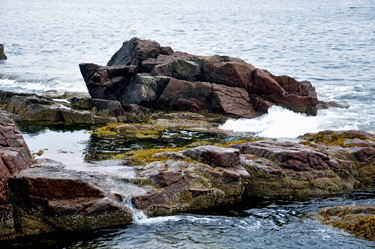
250	224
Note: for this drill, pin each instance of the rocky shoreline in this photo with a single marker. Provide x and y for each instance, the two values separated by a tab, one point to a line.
145	89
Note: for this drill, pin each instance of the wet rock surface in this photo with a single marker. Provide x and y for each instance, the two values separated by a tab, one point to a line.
144	73
357	220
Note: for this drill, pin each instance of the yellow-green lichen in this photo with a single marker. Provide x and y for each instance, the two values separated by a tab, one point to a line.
333	139
360	225
145	155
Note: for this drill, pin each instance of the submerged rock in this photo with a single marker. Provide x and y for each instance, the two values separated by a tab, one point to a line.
331	104
146	74
2	54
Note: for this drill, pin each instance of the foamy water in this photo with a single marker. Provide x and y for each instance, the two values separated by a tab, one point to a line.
283	123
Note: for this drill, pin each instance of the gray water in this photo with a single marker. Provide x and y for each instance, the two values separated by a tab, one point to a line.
330	43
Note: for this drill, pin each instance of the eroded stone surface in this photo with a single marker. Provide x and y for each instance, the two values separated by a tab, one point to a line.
215	156
14	157
46	197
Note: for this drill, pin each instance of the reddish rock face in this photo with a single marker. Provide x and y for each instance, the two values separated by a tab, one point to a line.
263	84
288	155
233	101
291	86
192	77
228	73
14	156
60	197
185	95
215	156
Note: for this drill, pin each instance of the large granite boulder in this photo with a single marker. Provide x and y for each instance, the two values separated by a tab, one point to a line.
146	74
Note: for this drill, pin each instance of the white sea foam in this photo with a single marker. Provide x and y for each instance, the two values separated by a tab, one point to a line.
282	123
39	86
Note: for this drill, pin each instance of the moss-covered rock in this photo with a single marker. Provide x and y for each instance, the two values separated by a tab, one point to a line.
357	220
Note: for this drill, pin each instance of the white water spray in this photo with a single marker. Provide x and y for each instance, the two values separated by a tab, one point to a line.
283	123
138	215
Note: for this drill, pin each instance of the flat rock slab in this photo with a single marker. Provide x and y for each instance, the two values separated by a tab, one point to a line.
48	198
215	156
289	155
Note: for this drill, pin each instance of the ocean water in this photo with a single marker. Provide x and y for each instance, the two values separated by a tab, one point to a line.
330	43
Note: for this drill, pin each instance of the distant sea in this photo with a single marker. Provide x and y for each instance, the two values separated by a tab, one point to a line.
329	43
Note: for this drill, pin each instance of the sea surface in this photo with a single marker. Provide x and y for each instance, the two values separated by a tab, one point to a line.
329	43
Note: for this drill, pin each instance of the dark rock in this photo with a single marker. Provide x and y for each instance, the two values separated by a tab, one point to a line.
363	154
2	54
330	104
144	90
134	51
79	100
163	197
259	105
185	96
108	82
135	113
179	69
108	108
88	70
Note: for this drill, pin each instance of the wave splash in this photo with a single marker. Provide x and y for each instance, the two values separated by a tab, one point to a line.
283	123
